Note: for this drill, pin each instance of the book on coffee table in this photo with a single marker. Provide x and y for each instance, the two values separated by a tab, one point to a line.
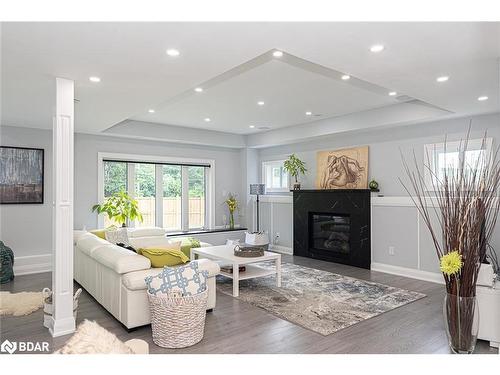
229	269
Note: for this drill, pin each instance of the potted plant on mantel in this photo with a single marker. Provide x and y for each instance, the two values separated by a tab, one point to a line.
120	207
466	204
295	167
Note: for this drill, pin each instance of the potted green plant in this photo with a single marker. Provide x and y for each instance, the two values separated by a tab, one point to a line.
295	167
120	207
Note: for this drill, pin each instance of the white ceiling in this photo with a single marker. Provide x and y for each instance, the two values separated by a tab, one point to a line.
289	87
137	74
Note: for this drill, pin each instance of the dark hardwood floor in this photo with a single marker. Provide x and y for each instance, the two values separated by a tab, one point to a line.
238	327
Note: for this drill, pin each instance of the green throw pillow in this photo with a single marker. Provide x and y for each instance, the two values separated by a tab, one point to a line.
161	257
189	243
101	233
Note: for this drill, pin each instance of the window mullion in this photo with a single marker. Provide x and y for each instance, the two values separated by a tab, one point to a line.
131	186
205	198
185	198
159	195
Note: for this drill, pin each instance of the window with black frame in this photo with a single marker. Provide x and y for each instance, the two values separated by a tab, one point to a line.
172	196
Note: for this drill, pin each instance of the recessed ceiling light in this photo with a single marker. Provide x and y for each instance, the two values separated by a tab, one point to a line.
173	52
308	113
151	111
393	93
377	48
260	102
198	89
252	126
277	53
482	98
442	79
207	119
345	77
94	79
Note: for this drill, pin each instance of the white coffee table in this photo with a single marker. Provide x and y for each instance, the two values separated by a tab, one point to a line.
225	255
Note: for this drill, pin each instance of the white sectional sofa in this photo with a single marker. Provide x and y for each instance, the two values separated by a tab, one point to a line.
114	276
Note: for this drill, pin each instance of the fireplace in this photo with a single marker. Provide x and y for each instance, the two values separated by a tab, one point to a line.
330	232
333	225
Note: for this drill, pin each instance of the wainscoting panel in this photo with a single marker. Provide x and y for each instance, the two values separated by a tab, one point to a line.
428	258
276	218
396	229
283	228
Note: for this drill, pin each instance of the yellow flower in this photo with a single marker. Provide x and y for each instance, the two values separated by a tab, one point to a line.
232	203
451	263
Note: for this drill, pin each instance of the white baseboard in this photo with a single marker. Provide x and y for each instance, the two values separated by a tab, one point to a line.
32	264
408	272
281	249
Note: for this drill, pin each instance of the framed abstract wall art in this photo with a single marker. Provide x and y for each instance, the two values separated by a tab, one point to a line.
21	175
342	169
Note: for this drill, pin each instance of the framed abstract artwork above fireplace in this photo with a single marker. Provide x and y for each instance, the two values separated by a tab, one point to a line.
21	175
342	169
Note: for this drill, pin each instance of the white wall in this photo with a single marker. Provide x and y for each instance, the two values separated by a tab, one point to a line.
27	229
395	220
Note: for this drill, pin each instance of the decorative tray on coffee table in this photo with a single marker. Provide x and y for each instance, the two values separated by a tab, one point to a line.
249	251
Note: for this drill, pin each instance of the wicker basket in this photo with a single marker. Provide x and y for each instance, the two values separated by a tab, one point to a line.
178	322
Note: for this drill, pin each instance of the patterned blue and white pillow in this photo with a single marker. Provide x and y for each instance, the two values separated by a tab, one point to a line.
187	279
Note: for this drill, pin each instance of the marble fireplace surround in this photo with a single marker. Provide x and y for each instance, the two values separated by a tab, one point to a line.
354	203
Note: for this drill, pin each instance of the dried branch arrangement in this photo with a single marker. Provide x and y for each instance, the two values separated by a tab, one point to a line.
460	208
465	203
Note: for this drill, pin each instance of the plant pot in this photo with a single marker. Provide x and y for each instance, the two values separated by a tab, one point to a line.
296	186
461	318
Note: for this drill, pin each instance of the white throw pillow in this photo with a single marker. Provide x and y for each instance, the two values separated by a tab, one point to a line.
187	279
117	236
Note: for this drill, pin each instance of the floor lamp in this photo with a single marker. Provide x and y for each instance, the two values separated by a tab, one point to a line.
257	189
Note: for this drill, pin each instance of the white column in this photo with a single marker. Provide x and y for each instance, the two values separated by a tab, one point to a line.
62	321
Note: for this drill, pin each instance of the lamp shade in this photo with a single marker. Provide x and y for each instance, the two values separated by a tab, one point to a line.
257	189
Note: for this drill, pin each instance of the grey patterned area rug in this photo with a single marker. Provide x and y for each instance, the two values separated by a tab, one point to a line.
321	301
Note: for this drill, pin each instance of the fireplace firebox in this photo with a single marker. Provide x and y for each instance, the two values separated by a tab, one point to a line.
330	232
333	225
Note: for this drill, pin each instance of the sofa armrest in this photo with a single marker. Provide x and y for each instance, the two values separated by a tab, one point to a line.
208	265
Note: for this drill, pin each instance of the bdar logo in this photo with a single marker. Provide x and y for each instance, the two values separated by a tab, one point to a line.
9	347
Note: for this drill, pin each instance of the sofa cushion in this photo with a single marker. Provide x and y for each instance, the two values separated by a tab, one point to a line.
135	280
119	259
145	232
144	242
88	242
